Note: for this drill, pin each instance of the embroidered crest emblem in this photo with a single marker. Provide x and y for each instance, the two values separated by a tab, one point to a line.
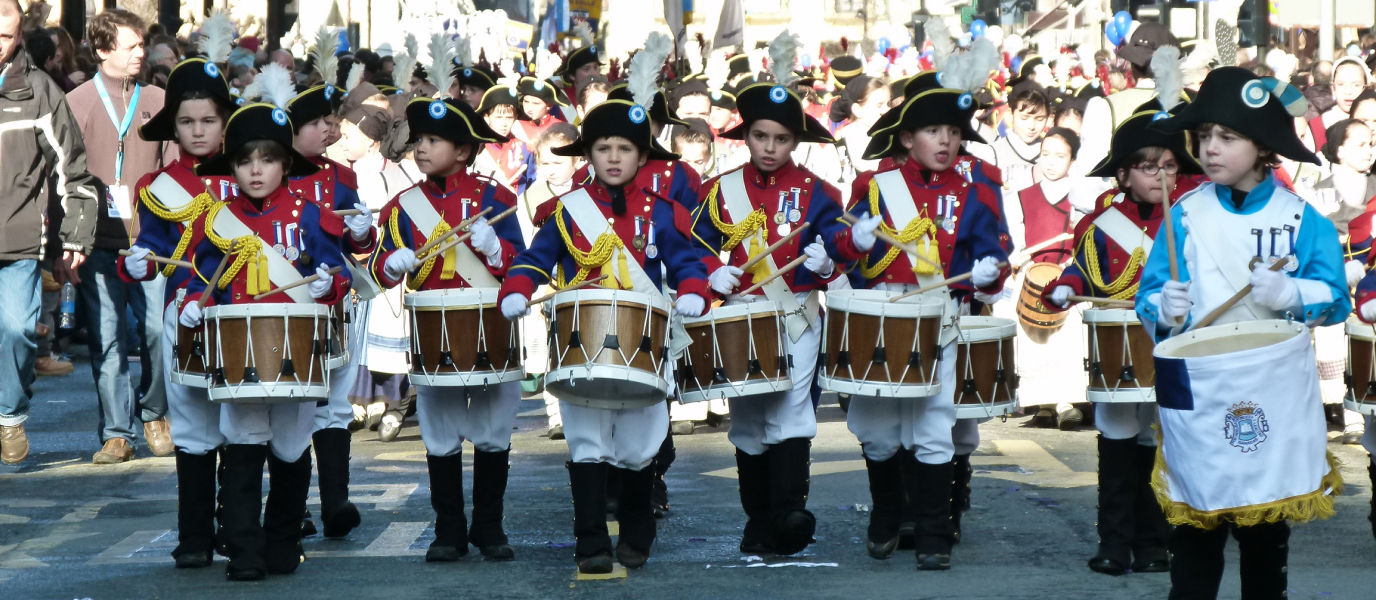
1245	426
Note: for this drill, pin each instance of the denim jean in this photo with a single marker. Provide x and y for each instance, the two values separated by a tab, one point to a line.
105	296
20	299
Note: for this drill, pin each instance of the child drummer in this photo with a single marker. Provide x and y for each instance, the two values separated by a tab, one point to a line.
1242	123
953	219
1111	246
259	155
743	212
448	135
648	234
198	102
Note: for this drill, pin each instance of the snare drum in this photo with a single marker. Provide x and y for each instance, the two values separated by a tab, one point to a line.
267	353
608	348
879	348
459	338
986	368
1038	321
189	368
1361	367
737	350
1119	361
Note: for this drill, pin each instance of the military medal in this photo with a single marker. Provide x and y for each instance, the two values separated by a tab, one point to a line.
655	186
794	214
281	250
639	240
784	229
317	191
778	218
1293	264
224	188
293	253
1256	260
651	251
781	210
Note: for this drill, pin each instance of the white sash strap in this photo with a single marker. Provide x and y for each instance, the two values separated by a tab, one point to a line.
280	271
1212	229
1123	232
902	209
170	193
421	212
737	201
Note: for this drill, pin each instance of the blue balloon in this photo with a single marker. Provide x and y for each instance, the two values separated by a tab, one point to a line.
1124	22
1111	31
977	28
805	60
883	44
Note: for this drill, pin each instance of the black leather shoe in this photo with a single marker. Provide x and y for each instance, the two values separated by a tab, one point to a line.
498	552
598	564
308	526
255	573
1156	566
630	557
1109	566
755	547
933	562
194	560
444	553
340	522
881	550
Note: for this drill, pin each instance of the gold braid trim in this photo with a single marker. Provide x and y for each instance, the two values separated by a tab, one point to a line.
1120	288
186	214
246	249
601	251
419	279
734	233
915	229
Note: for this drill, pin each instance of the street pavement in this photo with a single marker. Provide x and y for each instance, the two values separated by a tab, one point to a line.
72	530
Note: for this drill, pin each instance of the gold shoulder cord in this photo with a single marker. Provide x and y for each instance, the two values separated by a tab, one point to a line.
1122	288
600	255
248	250
915	229
734	233
440	228
187	214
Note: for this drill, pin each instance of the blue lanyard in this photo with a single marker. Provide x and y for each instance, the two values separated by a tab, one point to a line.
121	128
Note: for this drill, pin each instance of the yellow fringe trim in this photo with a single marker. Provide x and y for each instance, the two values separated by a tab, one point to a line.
607	247
248	250
916	228
1119	289
734	233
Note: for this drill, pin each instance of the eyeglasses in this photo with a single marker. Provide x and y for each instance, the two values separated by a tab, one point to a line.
1153	168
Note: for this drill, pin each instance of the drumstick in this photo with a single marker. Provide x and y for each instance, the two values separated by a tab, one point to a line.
463	238
219	270
1169	230
1105	301
775	246
1242	293
446	235
892	241
354	211
160	260
775	275
1029	251
297	283
545	298
940	284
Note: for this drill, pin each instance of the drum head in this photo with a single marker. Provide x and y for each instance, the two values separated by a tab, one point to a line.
1219	340
606	386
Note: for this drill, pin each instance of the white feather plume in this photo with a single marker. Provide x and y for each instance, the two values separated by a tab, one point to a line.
276	85
217	34
939	33
783	57
1202	59
584	32
546	63
404	65
412	46
326	46
643	82
441	62
253	90
463	50
969	70
1165	69
718	71
355	76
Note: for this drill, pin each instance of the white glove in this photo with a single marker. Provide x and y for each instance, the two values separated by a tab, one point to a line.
485	240
1174	302
862	231
514	306
817	260
320	287
690	305
1356	270
401	262
137	267
191	314
1274	289
985	272
360	225
725	279
1369	311
1061	296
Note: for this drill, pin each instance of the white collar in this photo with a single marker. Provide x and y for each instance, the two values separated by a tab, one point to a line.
1055	191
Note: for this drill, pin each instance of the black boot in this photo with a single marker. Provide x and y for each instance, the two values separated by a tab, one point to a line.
337	514
288	485
907	523
446	497
789	477
1149	553
930	494
753	478
960	490
1196	562
220	504
659	498
636	518
489	491
195	510
1117	505
613	492
242	487
1263	553
592	545
886	493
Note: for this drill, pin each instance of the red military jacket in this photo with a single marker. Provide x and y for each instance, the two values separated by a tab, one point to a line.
334	187
1102	268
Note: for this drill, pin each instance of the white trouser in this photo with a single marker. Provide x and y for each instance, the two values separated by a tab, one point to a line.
628	438
1051	373
552	410
285	427
884	425
339	412
1127	420
195	420
965	436
768	419
483	416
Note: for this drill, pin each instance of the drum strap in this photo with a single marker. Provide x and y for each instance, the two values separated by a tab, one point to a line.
1123	232
737	201
280	271
902	209
169	200
421	212
363	282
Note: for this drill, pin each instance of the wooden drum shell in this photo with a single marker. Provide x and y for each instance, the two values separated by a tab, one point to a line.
855	319
726	336
606	379
470	321
985	346
1109	352
1361	360
276	331
1038	321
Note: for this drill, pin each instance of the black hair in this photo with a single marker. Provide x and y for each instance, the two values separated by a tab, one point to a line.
40	46
220	107
269	148
1070	137
1366	94
1029	100
1337	136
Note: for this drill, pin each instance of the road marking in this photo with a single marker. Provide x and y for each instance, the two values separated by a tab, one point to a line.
415	456
158	469
396	540
393	495
613	528
85	512
123	553
618	572
12	519
21	556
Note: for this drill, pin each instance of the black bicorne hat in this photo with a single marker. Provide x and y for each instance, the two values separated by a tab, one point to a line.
737	65
1137	133
617	118
251	123
453	121
575	60
499	95
1261	108
191	75
474	76
722	99
544	90
312	104
779	104
846	68
936	106
886	144
659	109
